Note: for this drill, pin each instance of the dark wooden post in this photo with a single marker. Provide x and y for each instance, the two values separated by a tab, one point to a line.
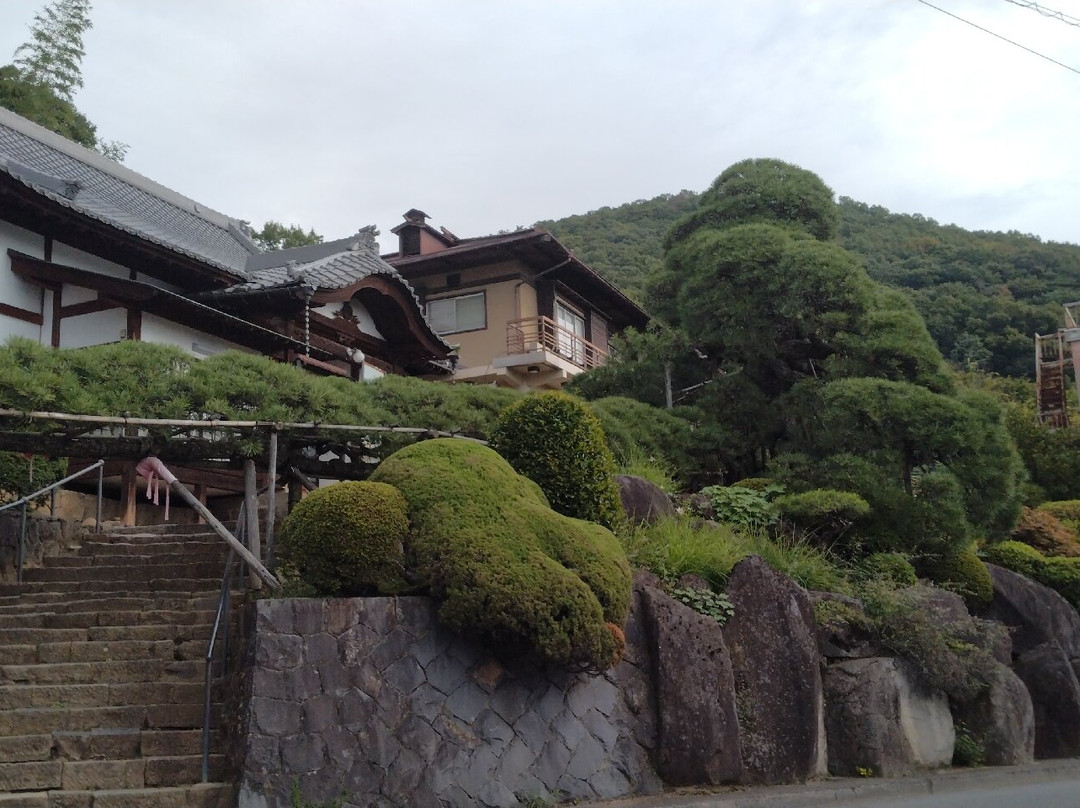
251	516
128	479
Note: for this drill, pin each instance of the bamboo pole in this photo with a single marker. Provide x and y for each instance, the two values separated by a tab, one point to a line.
251	516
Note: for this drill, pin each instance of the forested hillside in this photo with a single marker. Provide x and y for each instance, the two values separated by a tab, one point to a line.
982	294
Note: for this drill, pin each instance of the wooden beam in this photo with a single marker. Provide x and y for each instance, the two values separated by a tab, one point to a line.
134	324
25	315
57	304
88	307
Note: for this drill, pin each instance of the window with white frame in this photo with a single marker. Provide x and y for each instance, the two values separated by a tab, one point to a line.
571	335
463	313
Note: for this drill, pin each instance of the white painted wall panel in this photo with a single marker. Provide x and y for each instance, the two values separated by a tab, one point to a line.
71	257
15	291
164	332
93	329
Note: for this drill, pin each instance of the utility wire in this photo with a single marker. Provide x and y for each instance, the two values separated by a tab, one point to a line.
999	36
1047	12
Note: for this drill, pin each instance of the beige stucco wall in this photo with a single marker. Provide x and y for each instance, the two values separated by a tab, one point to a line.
504	301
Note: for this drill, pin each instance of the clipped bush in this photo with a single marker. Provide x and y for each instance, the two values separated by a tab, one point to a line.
347	539
506	567
1063	576
763	485
824	511
554	440
894	568
962	572
1044	530
634	430
1015	556
741	507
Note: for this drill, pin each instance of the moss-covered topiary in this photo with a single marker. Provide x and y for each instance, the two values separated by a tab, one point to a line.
1063	576
554	440
760	484
1015	556
962	572
506	567
895	568
1043	529
824	512
347	539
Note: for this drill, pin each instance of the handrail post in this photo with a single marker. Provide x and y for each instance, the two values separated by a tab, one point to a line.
271	497
251	502
22	545
100	481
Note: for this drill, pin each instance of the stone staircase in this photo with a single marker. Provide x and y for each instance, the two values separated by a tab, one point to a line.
102	674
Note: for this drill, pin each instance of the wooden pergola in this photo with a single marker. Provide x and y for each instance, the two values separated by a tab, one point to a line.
208	455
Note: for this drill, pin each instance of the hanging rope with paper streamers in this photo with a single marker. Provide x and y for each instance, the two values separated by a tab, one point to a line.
155	473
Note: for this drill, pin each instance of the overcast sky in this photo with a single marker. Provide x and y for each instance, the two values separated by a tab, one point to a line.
489	115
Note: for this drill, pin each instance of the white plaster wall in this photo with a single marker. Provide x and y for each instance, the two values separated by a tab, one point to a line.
165	332
93	329
15	291
360	313
371	373
71	257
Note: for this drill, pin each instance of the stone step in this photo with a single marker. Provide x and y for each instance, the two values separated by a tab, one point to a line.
173	585
98	601
15	697
200	795
107	617
87	775
108	555
167	528
133	573
31	720
106	744
32	636
126	671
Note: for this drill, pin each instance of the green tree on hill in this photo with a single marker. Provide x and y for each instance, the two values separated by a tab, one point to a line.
40	84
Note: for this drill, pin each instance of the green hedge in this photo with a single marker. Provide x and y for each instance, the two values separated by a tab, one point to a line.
962	572
1060	574
504	566
346	539
554	440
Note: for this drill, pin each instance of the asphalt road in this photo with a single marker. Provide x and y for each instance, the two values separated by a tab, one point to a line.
1057	794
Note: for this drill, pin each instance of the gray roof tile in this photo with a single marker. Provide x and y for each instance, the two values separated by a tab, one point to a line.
104	190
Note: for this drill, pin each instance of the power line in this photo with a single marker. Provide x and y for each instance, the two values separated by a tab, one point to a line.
999	36
1047	12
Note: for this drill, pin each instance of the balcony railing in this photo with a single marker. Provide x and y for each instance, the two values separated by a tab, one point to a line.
544	334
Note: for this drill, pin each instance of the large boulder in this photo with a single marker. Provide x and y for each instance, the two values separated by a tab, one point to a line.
1055	696
774	656
1035	613
698	731
1003	719
878	722
642	500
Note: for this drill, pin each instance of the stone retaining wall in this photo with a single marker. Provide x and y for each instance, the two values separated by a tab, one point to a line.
371	699
45	536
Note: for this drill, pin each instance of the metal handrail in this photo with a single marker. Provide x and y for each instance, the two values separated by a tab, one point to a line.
99	465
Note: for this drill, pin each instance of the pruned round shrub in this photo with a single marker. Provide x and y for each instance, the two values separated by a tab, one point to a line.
505	567
1063	576
895	568
347	539
1015	556
554	440
962	572
1048	529
823	511
760	484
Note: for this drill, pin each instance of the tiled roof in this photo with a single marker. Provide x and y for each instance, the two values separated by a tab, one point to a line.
350	261
87	182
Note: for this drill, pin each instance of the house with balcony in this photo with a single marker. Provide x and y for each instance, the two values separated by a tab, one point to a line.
521	309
